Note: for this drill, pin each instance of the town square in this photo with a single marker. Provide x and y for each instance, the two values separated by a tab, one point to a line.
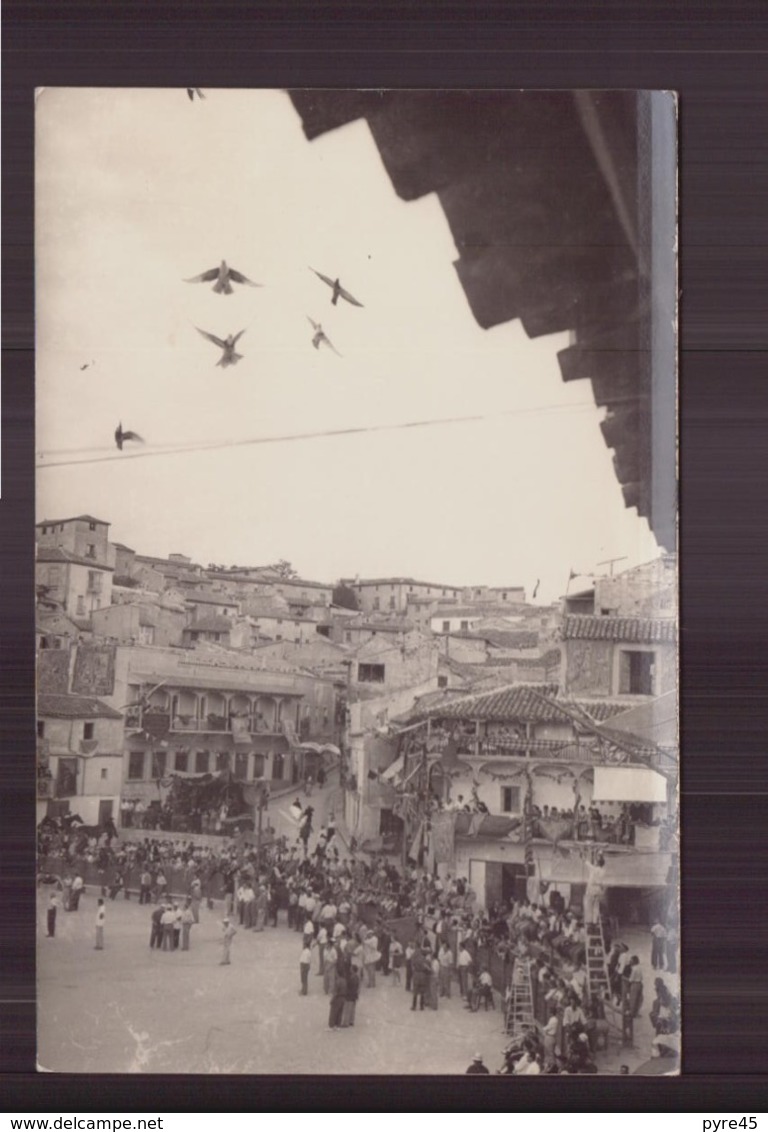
356	586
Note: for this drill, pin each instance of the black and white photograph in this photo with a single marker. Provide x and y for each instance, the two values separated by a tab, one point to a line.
356	582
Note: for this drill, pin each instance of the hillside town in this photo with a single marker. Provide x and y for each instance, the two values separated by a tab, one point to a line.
493	782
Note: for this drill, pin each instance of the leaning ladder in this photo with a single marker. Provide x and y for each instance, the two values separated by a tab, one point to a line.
598	983
520	1000
597	969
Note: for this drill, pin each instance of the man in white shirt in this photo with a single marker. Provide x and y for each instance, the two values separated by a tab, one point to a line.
101	915
305	961
322	943
464	964
445	958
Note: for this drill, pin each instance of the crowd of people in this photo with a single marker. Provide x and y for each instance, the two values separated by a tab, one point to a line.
360	921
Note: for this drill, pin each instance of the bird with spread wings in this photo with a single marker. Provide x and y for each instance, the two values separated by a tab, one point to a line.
338	290
121	435
224	276
229	357
321	337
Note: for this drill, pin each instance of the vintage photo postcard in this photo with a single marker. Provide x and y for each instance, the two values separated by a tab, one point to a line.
356	582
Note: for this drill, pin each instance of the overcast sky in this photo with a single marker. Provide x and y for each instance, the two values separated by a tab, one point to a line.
138	190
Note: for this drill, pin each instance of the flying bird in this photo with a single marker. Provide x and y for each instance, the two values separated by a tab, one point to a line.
229	357
223	274
121	435
320	336
85	366
338	290
194	90
535	589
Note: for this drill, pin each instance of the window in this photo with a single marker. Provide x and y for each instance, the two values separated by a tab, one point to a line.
66	781
503	597
258	766
181	761
45	531
442	681
636	673
348	637
136	765
202	760
88	730
103	772
158	764
510	799
446	626
443	593
80	607
392	602
278	764
464	626
91	526
40	729
410	589
241	765
90	550
370	673
376	603
279	620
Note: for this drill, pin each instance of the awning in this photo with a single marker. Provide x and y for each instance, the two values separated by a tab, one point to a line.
628	784
320	748
392	771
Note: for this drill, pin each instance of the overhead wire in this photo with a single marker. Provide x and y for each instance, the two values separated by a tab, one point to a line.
299	436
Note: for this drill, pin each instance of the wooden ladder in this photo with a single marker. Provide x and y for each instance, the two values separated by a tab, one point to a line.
598	983
520	1001
597	968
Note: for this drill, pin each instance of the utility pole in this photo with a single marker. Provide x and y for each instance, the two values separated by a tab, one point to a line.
261	805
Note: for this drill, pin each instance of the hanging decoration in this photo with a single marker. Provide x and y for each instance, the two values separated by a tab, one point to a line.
511	775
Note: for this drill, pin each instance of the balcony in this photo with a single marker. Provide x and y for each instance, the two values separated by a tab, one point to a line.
159	723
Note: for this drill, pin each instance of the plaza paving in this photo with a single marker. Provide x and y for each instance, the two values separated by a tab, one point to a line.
129	1009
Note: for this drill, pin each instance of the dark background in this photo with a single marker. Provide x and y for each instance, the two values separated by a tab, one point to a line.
717	59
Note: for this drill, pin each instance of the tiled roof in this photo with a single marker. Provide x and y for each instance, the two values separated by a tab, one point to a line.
510	639
74	519
401	582
631	629
74	707
57	554
546	660
212	623
212	599
383	626
513	701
